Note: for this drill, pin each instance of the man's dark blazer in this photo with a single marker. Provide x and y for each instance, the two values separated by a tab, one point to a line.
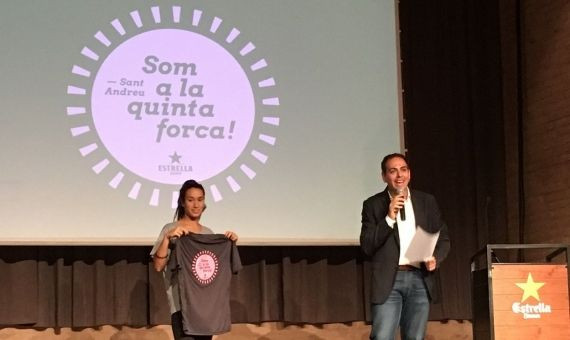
382	243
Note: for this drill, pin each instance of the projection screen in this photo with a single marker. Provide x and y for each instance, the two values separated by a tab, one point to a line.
281	109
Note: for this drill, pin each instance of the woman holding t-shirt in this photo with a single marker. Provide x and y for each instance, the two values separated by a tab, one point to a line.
191	205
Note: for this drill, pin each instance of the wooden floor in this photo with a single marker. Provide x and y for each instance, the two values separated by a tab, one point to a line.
267	331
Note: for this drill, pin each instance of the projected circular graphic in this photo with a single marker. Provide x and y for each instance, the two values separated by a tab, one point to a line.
179	96
192	101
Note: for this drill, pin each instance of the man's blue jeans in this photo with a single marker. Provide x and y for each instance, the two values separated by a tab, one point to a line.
407	306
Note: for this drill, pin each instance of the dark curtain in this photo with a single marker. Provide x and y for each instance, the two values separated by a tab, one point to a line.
77	286
451	76
68	286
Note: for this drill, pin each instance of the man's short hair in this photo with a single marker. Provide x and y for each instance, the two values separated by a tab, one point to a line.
389	157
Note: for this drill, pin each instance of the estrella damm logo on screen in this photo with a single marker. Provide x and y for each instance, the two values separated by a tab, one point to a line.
164	94
530	290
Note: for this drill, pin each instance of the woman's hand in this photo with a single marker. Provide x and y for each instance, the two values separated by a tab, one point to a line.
231	235
177	232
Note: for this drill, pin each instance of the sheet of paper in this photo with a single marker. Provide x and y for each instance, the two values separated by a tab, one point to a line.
422	246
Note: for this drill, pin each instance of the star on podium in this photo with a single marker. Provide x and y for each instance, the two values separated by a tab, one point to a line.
530	288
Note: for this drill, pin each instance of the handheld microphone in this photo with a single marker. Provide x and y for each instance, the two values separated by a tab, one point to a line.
402	210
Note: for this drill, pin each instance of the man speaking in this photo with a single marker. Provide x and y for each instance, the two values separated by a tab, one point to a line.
402	286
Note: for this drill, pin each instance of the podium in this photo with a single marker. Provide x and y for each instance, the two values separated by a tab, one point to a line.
515	300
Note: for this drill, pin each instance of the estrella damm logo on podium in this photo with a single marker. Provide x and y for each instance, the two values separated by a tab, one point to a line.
530	290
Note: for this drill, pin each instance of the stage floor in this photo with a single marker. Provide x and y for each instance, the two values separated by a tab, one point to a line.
451	330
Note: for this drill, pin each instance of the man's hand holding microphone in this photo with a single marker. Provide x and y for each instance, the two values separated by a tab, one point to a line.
397	204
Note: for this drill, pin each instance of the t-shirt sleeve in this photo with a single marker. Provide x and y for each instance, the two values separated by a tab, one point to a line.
159	239
206	230
235	260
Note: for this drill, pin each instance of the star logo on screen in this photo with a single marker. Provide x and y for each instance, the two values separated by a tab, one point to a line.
175	158
530	288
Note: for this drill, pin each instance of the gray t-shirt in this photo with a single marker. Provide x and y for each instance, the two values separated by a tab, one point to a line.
170	274
206	264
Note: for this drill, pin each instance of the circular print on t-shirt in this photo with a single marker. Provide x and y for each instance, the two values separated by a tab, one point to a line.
205	267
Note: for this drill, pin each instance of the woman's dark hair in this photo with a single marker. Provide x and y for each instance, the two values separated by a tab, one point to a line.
189	184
